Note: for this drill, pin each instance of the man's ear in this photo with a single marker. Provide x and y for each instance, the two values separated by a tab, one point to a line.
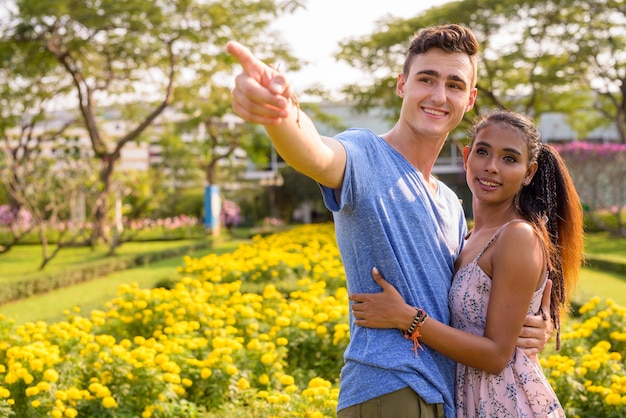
400	82
472	100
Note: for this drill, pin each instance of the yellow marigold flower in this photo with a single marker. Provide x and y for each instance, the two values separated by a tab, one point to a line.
43	386
283	321
320	317
55	413
94	387
286	380
109	402
263	394
147	412
103	392
32	391
4	392
321	330
171	378
243	384
71	413
161	359
10	378
232	370
593	364
304	325
616	356
292	389
254	344
60	395
319	382
126	343
613	399
74	393
105	340
282	341
28	378
272	399
205	373
264	379
268	358
36	403
36	365
187	382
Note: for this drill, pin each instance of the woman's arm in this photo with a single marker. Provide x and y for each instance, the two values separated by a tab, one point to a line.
515	276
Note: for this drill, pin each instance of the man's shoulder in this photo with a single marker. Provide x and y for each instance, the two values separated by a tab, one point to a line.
356	134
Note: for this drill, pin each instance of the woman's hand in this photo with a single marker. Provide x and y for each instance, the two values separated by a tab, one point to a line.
537	328
385	309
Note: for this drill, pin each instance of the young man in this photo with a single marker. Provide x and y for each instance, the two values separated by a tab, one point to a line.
389	211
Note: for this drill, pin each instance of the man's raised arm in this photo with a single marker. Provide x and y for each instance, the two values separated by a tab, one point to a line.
263	95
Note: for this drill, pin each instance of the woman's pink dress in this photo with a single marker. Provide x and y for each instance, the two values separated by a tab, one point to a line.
521	389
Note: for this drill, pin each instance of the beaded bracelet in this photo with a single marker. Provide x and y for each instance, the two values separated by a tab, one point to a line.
418	320
413	333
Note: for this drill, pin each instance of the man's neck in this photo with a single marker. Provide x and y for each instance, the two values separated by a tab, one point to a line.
421	153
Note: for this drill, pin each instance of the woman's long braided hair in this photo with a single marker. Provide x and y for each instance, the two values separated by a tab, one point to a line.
550	202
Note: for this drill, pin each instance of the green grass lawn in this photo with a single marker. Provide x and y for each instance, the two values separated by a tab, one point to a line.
605	284
94	293
23	261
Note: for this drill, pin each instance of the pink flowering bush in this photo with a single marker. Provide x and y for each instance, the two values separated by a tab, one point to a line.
22	218
230	214
599	174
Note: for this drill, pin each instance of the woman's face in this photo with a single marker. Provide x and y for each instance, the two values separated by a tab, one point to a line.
498	163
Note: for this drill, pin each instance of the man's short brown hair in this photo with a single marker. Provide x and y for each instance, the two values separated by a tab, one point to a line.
449	38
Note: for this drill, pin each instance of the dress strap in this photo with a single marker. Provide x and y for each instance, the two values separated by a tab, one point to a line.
495	235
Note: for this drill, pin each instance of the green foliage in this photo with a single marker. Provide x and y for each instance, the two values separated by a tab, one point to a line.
536	56
297	189
191	202
124	60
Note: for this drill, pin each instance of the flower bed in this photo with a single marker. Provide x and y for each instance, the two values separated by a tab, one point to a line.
256	332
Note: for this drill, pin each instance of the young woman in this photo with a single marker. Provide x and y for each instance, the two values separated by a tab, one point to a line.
528	234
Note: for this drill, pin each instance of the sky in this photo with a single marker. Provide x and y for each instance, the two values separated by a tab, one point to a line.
314	34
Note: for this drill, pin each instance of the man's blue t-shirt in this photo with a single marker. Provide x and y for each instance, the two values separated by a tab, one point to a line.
387	218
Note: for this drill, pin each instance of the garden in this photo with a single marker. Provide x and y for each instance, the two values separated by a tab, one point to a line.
257	331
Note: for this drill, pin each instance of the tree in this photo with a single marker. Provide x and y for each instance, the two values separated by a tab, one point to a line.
127	55
536	56
50	190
